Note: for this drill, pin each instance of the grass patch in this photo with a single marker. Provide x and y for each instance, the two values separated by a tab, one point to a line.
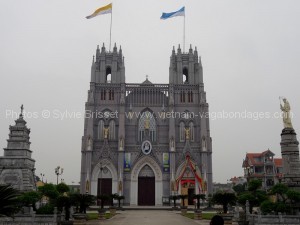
94	216
205	216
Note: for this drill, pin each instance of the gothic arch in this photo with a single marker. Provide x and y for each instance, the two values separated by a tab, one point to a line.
185	75
178	171
96	174
146	160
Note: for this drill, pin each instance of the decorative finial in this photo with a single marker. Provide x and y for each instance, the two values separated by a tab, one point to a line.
147	77
93	59
22	108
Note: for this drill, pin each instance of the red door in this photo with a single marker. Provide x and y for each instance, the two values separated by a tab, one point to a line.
146	191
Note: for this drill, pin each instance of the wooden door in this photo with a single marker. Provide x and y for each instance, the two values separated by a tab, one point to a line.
146	191
105	188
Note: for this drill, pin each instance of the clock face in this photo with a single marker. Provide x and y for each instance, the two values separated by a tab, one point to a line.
146	147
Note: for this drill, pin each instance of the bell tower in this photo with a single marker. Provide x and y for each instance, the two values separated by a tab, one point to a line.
108	67
185	68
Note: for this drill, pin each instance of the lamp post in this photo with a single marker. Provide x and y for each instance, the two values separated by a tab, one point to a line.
58	171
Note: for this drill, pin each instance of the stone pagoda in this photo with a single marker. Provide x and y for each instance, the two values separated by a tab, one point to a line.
17	166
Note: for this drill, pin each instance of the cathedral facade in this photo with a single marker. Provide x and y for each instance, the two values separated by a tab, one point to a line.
146	141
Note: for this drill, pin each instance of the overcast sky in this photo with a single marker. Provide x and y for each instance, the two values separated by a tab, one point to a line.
250	52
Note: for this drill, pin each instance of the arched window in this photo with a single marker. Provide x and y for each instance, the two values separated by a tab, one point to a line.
182	96
100	130
190	96
103	95
108	75
185	75
112	130
192	131
147	122
181	132
111	95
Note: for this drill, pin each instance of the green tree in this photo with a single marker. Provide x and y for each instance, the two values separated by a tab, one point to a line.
49	190
62	188
198	197
103	198
239	188
286	198
183	197
254	195
82	201
224	199
267	207
8	200
174	198
119	198
64	202
30	198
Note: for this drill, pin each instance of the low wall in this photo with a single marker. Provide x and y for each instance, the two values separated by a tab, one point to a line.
256	219
31	220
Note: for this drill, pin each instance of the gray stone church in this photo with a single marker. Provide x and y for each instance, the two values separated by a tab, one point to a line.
146	141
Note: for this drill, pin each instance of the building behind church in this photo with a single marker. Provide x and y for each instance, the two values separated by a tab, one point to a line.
146	140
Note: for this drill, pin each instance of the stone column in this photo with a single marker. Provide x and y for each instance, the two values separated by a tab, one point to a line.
290	158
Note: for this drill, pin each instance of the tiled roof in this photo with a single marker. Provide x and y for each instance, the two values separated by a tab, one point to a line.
278	162
249	160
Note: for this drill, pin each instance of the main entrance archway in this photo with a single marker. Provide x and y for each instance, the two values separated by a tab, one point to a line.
104	178
146	186
146	174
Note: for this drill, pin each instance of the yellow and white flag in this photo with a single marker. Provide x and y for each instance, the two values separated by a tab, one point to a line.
103	10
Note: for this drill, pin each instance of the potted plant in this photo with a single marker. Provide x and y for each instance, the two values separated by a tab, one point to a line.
225	198
119	198
174	198
198	214
112	208
102	211
183	207
81	203
198	197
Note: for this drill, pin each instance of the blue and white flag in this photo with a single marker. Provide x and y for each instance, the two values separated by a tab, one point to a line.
180	12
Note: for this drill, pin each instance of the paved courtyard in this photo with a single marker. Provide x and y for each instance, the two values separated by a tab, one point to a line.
149	217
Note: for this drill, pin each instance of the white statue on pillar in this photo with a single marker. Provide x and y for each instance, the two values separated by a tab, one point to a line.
285	108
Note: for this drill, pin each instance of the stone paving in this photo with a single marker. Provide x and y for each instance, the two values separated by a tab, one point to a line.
149	217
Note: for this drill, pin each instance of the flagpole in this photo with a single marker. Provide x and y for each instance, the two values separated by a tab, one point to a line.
183	32
110	29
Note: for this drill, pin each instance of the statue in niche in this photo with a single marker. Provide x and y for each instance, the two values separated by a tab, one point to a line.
121	143
147	123
106	132
172	144
187	133
89	143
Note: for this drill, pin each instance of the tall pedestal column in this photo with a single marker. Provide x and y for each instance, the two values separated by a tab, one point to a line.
290	158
